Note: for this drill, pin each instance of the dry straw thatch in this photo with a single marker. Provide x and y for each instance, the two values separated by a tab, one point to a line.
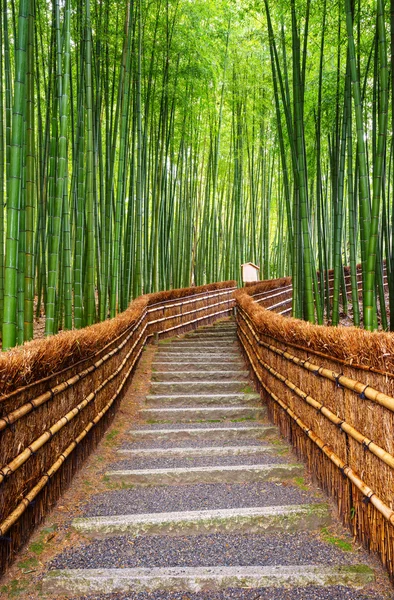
61	393
331	391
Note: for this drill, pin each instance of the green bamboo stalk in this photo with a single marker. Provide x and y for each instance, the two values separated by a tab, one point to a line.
89	178
30	188
15	181
370	308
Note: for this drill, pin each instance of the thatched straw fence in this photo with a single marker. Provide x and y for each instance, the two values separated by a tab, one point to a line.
59	395
331	392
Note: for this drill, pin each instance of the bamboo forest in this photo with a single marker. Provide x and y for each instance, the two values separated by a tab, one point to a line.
147	145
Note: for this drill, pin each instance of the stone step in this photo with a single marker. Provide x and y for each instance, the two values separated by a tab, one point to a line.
221	345
219	324
234	375
214	331
211	335
193	348
196	413
214	474
256	520
229	324
205	366
191	388
260	432
195	401
74	582
211	341
200	452
191	357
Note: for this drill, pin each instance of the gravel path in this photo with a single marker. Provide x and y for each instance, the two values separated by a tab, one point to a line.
195	497
205	461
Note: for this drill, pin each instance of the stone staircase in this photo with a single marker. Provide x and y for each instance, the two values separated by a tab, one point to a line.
209	502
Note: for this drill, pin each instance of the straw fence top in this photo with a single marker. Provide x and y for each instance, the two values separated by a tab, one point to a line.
41	358
350	345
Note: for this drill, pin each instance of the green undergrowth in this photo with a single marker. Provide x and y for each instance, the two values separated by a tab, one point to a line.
38	546
248	389
300	483
340	542
15	589
110	438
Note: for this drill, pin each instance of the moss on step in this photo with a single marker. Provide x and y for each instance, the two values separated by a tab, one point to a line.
340	542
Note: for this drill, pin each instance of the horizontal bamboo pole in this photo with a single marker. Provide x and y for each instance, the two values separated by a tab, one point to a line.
77	364
25	409
278	292
14	516
368	444
196	298
221	312
347	471
358	387
44	438
190	312
277	305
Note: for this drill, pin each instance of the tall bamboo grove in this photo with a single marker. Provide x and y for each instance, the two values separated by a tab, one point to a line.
149	145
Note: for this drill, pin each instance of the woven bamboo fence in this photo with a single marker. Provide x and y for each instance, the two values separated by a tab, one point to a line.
276	294
59	395
331	392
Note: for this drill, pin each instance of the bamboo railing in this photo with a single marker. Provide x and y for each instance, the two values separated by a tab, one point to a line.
331	392
277	294
51	423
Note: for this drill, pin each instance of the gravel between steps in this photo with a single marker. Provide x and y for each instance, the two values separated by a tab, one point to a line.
216	425
200	461
228	550
195	497
188	443
309	593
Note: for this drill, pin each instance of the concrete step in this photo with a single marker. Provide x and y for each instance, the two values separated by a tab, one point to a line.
231	324
214	474
256	520
196	346
74	582
211	335
234	375
199	452
197	357
260	432
200	387
205	365
225	399
183	415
